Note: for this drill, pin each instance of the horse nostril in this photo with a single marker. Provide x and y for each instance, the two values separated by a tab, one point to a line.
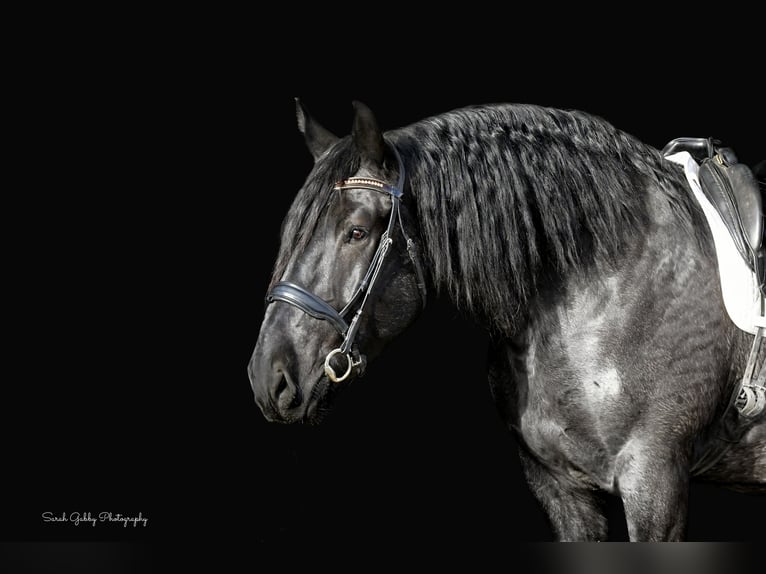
281	386
286	393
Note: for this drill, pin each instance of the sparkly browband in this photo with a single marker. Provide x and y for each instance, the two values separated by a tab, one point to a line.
367	183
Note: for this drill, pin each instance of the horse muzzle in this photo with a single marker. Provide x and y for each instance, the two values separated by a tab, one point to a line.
340	363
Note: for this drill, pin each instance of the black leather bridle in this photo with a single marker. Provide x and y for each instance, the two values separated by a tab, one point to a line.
316	307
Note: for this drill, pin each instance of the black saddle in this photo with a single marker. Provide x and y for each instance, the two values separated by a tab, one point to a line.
735	193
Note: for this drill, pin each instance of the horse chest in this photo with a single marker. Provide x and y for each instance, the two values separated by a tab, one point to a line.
571	397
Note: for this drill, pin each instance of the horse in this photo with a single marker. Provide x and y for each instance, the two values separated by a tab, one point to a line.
582	253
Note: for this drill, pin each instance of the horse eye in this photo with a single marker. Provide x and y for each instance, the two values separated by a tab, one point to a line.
357	233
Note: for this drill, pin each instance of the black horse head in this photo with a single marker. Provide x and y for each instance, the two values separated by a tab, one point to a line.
347	279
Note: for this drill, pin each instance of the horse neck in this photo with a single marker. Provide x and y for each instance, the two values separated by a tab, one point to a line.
497	228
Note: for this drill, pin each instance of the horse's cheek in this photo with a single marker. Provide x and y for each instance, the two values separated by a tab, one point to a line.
392	315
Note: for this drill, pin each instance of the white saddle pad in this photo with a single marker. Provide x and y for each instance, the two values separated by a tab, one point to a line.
739	284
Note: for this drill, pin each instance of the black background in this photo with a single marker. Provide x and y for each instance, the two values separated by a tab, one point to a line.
137	295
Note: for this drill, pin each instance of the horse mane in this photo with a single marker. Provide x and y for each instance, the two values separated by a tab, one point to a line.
509	195
512	195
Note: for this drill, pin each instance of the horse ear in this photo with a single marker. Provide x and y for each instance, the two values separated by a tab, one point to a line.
367	136
318	139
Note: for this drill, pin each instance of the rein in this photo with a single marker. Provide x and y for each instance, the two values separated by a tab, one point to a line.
316	307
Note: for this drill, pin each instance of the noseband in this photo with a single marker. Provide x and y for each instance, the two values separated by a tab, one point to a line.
316	307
